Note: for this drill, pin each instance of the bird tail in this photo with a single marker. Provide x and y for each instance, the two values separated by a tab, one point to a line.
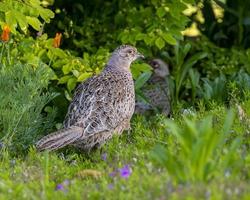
59	139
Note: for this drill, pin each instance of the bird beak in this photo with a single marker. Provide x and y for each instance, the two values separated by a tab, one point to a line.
139	55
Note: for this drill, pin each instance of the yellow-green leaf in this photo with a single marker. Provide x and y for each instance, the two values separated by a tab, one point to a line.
161	12
71	84
169	39
64	79
159	42
34	22
84	76
67	68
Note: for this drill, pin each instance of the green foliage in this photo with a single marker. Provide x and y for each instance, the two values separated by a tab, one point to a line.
19	15
89	25
209	154
23	98
91	34
201	70
182	71
68	69
214	90
221	60
201	150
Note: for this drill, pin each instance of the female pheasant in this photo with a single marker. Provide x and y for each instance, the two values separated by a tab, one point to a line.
157	90
101	107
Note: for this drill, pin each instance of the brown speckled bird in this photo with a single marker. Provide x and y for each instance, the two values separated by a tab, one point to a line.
101	107
156	90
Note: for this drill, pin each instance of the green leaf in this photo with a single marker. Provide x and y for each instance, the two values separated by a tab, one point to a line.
161	12
21	19
75	72
34	22
58	52
159	42
4	7
169	39
67	68
139	36
143	78
64	79
148	39
11	20
84	76
71	84
187	65
46	15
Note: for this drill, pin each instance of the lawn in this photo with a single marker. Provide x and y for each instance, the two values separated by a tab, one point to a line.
129	167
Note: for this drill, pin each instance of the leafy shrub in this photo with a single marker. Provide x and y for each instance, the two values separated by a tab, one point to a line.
89	25
23	98
22	14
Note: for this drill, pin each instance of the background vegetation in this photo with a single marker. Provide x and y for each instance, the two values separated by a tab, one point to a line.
47	47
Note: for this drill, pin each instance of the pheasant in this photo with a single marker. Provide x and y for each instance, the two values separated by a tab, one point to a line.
101	107
157	90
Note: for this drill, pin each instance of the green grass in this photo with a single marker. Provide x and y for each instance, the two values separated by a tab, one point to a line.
37	175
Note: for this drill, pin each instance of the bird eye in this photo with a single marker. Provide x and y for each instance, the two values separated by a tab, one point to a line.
130	51
154	64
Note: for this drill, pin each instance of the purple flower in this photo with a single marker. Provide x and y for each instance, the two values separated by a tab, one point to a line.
111	186
125	172
104	156
112	174
60	187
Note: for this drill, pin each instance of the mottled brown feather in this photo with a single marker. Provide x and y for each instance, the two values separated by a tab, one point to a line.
102	106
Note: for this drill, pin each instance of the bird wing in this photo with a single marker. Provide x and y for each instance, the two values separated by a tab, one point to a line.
101	103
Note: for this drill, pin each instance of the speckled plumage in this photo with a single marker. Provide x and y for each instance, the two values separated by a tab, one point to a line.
156	90
101	107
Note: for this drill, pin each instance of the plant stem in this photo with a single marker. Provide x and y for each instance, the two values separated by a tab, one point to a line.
1	55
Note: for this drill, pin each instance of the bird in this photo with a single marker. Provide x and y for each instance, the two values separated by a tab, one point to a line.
156	90
102	106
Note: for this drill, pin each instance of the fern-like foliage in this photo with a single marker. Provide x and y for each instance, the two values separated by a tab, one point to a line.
23	97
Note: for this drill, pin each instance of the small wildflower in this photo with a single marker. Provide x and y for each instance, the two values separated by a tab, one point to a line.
110	186
5	34
57	40
60	187
125	172
112	174
104	156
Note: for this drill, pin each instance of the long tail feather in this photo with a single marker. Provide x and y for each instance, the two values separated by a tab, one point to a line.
60	139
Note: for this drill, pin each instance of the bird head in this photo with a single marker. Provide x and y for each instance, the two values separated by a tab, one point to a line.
160	68
124	55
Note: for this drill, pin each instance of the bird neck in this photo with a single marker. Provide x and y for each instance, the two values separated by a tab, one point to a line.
118	64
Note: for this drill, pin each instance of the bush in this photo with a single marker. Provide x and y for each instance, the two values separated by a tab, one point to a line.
23	98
